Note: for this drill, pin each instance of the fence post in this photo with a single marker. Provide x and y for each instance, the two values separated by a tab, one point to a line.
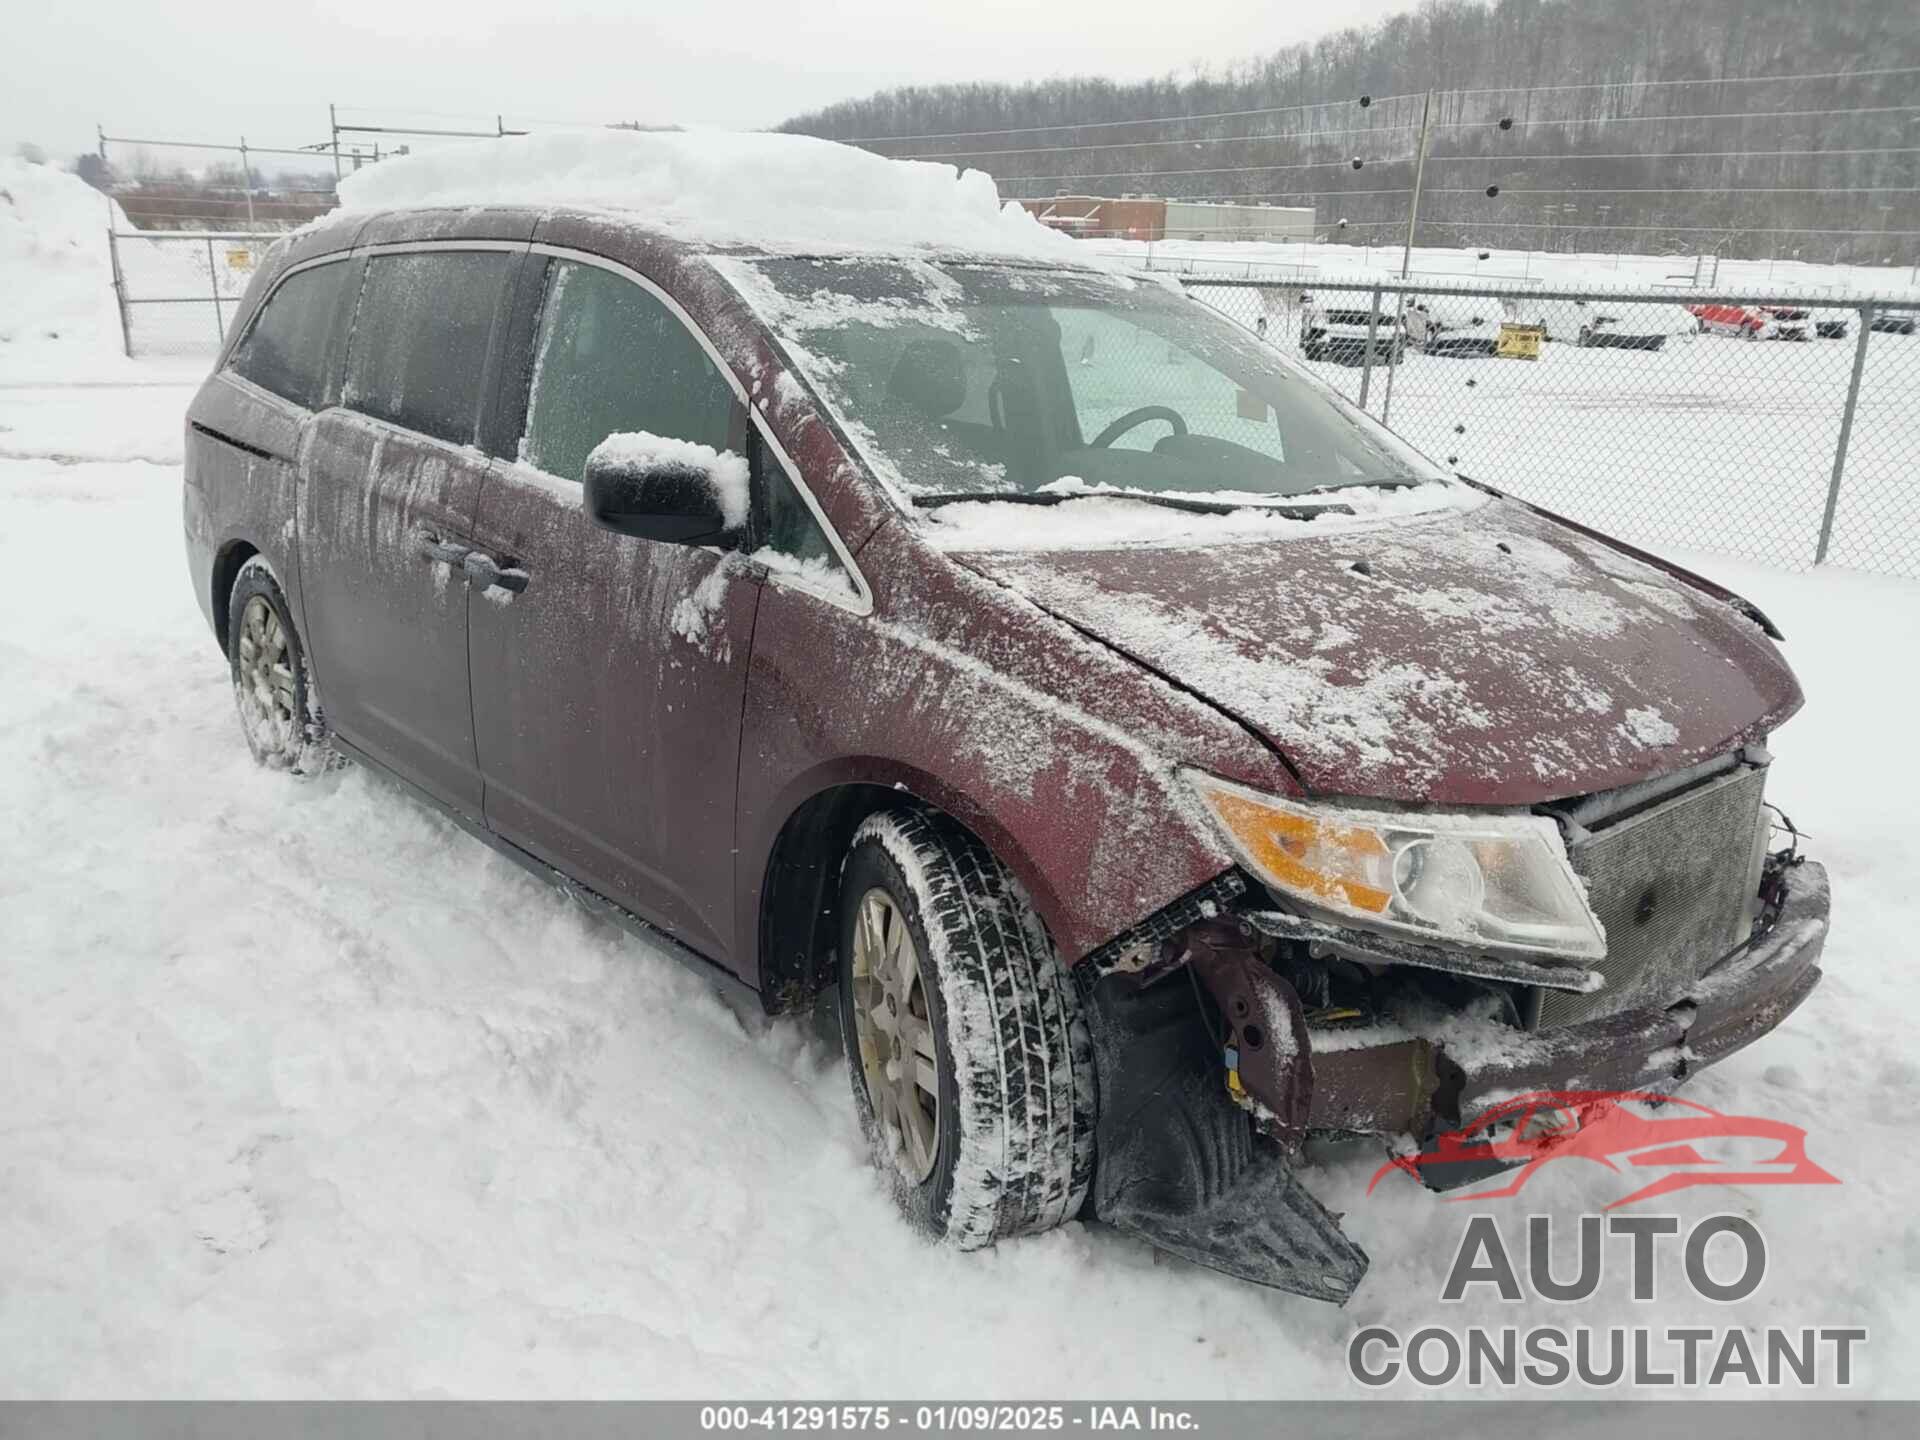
1399	338
213	279
1846	434
1366	362
246	180
119	291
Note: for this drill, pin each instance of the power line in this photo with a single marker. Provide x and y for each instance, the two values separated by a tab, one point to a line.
1109	124
1209	170
1399	223
1655	84
1653	155
1693	190
1383	100
1493	159
1312	136
1308	135
1231	199
1647	119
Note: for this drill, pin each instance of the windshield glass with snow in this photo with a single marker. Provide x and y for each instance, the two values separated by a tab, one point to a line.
964	381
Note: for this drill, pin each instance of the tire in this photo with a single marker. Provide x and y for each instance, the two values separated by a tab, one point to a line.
1008	1148
272	683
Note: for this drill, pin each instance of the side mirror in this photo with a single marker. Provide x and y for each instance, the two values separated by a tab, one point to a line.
672	491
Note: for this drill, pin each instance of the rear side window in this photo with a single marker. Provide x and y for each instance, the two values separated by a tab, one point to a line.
420	339
610	358
289	348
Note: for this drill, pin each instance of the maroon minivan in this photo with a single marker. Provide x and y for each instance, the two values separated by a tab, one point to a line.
1158	760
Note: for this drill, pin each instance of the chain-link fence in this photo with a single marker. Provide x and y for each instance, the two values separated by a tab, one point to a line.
178	289
1758	425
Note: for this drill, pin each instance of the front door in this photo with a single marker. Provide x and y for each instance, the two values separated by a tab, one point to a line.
389	488
607	693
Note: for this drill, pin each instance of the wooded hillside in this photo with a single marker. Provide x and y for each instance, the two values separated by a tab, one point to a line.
1604	152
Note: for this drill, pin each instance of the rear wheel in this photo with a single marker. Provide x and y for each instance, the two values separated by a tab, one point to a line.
271	685
972	1072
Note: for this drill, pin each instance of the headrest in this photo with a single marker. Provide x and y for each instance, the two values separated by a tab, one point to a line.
929	377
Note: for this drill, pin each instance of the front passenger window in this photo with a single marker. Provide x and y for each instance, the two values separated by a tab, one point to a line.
611	359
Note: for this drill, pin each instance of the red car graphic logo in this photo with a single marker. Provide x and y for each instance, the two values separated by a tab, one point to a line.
1690	1143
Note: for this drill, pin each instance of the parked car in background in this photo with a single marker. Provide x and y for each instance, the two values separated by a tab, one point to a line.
1560	319
1336	328
1895	322
1831	324
1030	662
1612	325
1750	322
1461	327
1822	324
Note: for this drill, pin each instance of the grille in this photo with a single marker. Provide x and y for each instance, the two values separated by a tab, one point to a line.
1670	886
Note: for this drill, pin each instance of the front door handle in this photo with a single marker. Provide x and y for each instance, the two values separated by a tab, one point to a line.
486	573
447	552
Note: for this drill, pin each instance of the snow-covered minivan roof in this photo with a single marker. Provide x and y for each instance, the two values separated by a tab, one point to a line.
783	194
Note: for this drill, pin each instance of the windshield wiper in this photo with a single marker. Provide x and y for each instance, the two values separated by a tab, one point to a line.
1172	502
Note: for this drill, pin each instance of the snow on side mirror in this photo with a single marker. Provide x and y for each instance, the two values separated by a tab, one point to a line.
677	492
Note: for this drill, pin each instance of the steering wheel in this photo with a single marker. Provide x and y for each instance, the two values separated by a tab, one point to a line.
1139	417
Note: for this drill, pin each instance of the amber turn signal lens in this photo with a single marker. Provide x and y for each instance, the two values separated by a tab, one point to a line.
1309	856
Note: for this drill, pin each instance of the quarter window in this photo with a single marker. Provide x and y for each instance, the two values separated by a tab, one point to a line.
421	336
610	359
289	349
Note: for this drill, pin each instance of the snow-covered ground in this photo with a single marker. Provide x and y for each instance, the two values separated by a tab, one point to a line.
309	1094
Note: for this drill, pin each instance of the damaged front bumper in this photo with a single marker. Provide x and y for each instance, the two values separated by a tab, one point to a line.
1179	1163
1412	1084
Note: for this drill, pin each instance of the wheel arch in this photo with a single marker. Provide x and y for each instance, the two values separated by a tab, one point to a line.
226	569
797	917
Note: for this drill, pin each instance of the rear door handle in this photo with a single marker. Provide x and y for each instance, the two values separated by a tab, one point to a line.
486	573
447	552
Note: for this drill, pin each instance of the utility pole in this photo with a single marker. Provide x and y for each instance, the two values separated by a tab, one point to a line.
1406	251
1419	173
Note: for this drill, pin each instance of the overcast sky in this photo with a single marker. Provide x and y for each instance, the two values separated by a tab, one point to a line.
194	69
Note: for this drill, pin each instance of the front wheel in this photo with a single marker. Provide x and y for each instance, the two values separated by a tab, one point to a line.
972	1071
271	685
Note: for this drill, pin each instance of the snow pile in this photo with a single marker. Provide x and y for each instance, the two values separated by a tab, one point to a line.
791	193
56	284
726	472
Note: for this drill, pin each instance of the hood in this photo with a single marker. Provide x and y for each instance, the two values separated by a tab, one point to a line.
1491	657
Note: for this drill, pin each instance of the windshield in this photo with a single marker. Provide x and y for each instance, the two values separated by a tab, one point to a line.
973	381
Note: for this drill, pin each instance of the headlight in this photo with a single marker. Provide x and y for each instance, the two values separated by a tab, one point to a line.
1496	880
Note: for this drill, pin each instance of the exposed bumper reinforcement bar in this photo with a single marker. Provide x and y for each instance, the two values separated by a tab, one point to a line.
1409	1085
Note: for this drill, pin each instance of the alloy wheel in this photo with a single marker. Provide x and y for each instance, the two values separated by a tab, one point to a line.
895	1031
263	681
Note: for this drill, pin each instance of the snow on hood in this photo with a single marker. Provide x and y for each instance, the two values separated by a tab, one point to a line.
1108	516
784	193
1490	657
